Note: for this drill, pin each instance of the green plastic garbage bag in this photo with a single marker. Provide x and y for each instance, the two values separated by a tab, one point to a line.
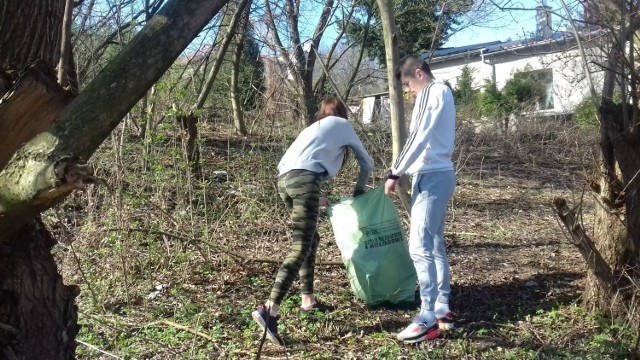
373	248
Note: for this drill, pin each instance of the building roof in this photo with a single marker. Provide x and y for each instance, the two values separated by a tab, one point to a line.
560	39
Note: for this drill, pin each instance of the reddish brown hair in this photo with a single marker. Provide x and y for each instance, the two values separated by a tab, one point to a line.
331	107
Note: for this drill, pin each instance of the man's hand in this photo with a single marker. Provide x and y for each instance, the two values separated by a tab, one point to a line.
390	186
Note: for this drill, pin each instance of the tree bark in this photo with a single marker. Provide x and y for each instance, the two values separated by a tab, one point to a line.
615	183
617	213
238	115
599	269
38	316
35	96
396	101
189	124
65	45
30	31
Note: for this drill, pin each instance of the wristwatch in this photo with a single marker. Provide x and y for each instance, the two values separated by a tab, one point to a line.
391	176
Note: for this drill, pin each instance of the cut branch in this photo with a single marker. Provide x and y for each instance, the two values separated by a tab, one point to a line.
29	109
585	244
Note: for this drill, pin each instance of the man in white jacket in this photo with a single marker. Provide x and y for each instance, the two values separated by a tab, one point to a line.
426	156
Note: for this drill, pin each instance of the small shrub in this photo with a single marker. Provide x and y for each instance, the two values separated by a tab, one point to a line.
491	102
464	93
585	115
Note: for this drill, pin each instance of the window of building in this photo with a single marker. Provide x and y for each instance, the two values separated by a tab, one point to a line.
541	82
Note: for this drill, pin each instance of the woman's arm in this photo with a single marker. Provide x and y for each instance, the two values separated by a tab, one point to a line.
362	156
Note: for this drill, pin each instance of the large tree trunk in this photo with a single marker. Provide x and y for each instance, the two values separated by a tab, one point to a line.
310	103
617	214
38	316
611	286
30	31
616	185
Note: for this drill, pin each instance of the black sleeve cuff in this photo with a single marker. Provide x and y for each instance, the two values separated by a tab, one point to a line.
391	176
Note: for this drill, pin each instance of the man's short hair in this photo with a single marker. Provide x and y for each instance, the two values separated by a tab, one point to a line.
409	64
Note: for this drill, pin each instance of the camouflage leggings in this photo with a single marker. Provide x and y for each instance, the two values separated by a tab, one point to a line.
300	190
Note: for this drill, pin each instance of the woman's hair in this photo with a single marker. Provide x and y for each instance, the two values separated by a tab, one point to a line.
331	107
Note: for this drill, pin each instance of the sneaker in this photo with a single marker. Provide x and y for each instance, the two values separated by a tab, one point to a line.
419	331
321	307
445	322
270	323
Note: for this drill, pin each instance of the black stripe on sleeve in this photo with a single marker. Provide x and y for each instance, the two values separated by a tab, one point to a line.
421	115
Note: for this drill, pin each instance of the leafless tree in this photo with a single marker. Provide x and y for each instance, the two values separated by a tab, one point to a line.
238	116
612	249
283	21
398	128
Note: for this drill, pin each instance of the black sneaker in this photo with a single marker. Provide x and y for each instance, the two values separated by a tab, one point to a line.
270	323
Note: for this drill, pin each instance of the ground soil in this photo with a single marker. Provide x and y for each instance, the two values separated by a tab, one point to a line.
510	258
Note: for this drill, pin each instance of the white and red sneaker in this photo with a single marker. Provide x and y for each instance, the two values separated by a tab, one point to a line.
445	323
419	331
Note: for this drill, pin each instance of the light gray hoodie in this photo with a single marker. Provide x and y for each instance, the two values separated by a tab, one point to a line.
320	148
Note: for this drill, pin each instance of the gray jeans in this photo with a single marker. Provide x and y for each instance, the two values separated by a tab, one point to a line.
430	195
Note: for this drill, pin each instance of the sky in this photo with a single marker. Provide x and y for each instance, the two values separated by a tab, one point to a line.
491	23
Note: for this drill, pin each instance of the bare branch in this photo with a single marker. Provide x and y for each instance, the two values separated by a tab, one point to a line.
584	243
220	55
592	89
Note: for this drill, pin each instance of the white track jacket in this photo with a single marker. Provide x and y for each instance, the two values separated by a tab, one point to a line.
433	124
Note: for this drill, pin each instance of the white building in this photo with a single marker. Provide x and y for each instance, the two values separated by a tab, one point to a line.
552	58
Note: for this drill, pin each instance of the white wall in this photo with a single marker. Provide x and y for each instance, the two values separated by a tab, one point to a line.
569	80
